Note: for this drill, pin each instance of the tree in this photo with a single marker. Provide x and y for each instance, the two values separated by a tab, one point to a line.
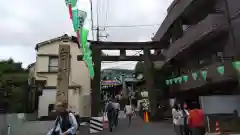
13	86
139	68
159	76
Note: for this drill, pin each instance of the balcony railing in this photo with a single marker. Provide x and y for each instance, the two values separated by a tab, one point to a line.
212	25
214	73
175	10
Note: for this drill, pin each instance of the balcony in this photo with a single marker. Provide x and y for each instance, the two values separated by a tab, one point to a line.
177	8
212	26
213	76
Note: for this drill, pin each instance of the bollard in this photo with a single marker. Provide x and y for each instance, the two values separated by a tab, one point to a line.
9	129
218	131
147	118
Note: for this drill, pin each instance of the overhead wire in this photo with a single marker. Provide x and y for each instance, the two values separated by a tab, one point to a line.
121	26
106	15
91	6
98	13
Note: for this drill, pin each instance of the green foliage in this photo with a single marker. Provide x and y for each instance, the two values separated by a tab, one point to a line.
139	68
13	83
160	75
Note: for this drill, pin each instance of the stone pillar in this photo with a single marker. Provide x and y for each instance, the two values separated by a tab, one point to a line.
150	82
96	86
63	73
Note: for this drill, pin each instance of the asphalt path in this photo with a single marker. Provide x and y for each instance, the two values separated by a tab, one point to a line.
139	127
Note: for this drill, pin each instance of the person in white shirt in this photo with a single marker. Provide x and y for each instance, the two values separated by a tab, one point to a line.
178	120
128	110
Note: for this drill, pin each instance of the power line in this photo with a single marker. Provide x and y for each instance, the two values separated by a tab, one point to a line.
91	4
122	26
106	15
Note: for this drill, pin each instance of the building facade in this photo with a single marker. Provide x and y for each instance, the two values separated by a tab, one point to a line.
201	51
46	68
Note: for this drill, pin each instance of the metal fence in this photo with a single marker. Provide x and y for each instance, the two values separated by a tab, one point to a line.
16	124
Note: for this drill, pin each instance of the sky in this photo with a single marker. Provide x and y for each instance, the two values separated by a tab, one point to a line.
24	23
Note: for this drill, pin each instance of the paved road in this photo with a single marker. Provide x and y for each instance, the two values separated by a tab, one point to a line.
138	127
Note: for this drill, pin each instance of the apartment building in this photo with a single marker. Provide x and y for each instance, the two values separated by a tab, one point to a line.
200	39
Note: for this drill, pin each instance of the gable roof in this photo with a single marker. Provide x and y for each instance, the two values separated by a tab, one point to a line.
63	37
31	65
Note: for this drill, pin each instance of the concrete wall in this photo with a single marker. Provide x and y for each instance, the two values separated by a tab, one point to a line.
220	104
49	97
20	126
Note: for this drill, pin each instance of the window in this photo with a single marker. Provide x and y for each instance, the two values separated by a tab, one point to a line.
50	108
53	64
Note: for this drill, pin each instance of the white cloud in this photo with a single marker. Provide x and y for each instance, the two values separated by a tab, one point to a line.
23	54
27	22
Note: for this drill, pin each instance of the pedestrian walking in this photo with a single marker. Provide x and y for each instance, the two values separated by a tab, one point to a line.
128	110
185	113
177	119
116	111
109	110
196	121
65	123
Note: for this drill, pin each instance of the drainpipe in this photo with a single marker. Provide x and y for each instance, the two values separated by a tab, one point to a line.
231	31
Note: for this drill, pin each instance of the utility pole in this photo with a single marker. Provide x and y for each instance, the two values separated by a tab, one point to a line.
63	73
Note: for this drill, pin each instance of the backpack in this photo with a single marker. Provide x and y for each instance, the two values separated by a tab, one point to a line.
78	120
77	117
110	107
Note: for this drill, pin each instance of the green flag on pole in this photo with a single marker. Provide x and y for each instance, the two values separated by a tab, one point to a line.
67	2
167	82
73	2
236	65
75	18
83	24
175	80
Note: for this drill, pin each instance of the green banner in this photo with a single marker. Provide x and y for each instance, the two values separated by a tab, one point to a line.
220	70
204	74
175	80
194	76
180	79
170	81
236	65
185	78
167	82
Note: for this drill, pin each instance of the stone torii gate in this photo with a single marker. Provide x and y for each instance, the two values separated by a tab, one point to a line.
98	46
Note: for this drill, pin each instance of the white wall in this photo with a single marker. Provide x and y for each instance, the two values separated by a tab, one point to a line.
49	97
220	104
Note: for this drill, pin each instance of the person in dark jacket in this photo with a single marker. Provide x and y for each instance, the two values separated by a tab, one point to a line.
109	109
